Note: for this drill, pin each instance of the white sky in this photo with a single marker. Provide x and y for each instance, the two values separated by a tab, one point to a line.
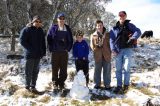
143	13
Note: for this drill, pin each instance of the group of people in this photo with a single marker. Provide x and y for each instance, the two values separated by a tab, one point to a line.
117	43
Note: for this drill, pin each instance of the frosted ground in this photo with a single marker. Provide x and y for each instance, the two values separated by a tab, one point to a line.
144	90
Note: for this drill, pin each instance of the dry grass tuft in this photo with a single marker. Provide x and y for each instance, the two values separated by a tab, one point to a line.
9	88
146	91
24	93
44	98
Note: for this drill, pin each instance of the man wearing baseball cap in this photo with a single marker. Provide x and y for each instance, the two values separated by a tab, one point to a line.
122	40
60	42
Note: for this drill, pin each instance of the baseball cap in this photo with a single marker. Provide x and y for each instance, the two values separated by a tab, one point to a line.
122	13
61	15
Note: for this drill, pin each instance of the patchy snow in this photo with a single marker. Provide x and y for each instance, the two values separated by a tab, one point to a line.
137	97
145	81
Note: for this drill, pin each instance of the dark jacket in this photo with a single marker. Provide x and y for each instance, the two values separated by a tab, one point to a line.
55	41
81	49
114	35
33	41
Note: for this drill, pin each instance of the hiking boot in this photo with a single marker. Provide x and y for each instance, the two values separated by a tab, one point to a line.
107	87
34	90
27	88
125	88
97	87
118	90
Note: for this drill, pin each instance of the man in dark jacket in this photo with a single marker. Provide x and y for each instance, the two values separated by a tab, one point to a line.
122	39
60	42
32	38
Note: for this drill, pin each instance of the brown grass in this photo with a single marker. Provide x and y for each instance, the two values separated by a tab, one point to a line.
44	99
146	91
24	93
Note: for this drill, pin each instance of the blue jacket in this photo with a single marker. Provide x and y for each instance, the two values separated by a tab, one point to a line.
81	49
114	45
54	39
33	41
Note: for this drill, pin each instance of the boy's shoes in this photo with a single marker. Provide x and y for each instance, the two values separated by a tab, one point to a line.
118	90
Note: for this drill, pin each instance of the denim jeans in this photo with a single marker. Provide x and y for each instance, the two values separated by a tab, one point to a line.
31	72
106	73
123	60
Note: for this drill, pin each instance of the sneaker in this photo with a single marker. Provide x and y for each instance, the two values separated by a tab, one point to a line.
118	90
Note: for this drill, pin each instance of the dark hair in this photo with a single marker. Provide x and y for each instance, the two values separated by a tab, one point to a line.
99	21
79	33
123	12
36	17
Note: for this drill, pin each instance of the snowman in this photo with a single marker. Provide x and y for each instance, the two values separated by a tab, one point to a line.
79	89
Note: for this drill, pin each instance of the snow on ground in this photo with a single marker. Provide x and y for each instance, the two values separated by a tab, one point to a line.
145	81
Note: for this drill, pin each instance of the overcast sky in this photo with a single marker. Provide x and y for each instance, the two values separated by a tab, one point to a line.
143	13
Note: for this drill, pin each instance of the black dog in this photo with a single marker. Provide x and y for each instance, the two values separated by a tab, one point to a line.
147	34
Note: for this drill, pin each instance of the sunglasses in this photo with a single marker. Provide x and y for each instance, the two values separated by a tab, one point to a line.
61	18
37	21
122	15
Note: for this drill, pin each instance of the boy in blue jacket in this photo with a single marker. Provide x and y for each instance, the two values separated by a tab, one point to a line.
80	53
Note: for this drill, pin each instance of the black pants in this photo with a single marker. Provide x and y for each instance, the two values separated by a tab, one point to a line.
31	72
59	67
83	65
